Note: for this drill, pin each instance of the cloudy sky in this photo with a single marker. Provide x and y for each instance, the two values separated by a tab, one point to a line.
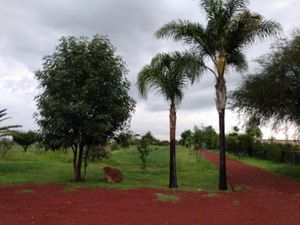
30	30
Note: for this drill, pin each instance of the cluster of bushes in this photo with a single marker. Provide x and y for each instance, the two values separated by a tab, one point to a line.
204	137
285	153
249	144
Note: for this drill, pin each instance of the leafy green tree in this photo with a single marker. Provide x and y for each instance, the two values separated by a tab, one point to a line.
230	27
124	139
144	149
25	139
186	138
150	137
273	93
198	139
205	137
84	97
168	74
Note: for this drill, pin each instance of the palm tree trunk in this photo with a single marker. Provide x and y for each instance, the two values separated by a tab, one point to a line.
173	175
221	104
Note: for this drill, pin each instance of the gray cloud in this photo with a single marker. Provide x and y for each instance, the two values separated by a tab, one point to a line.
30	30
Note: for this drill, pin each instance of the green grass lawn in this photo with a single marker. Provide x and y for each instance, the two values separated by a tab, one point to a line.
278	168
40	167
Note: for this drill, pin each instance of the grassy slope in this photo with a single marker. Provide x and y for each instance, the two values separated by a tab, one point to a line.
278	168
37	166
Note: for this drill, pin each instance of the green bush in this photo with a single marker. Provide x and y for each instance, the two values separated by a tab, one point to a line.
246	142
232	144
273	152
99	152
259	150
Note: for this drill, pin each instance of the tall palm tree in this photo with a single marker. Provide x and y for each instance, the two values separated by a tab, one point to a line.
230	27
168	74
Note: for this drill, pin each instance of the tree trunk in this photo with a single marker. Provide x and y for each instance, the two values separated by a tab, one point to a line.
86	158
78	177
173	175
221	104
75	150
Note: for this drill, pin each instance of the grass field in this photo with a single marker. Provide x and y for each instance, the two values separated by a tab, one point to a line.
40	167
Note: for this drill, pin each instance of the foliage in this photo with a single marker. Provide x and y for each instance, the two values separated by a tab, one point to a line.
168	75
144	148
273	93
5	145
205	137
99	152
125	139
5	130
186	138
84	97
241	144
25	139
149	136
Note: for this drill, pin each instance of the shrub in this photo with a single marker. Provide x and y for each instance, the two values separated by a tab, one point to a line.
99	152
232	144
273	152
246	142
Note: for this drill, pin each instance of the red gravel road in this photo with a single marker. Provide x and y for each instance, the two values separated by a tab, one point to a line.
269	200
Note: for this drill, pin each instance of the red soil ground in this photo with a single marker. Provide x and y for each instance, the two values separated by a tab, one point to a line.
268	200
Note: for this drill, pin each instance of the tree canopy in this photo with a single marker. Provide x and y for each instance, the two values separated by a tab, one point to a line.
25	139
84	97
273	94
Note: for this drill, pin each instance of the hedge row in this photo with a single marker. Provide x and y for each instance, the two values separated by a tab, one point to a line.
246	145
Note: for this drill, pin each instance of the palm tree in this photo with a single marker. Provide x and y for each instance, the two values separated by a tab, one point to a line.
230	28
168	74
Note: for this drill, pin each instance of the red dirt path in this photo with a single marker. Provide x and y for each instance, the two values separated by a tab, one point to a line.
269	200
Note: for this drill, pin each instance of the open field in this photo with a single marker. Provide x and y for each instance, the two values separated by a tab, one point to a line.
39	167
259	202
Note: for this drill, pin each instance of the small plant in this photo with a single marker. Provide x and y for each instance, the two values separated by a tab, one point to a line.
144	148
167	198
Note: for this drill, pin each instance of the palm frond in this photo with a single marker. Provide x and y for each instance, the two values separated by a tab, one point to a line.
5	130
168	75
233	7
211	7
237	59
192	34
